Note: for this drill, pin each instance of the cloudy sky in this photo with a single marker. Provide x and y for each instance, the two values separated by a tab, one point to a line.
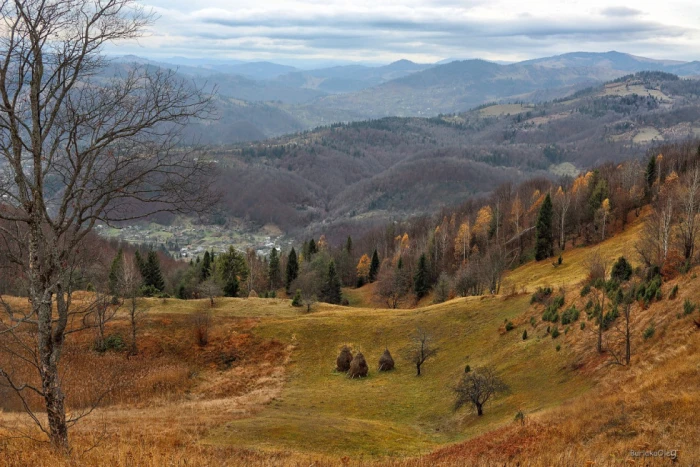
420	30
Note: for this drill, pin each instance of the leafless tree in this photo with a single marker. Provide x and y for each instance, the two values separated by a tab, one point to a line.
130	283
420	349
201	322
393	284
477	387
689	199
100	313
623	331
597	275
655	242
79	149
210	288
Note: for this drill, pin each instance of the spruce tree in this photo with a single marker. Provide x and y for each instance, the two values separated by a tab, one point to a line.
348	245
274	269
544	244
231	287
650	174
205	272
154	276
115	272
374	267
313	249
331	290
292	269
420	279
141	264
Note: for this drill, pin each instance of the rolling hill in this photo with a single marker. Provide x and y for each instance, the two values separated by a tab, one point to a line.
264	386
365	172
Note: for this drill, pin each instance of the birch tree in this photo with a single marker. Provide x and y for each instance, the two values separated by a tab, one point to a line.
79	149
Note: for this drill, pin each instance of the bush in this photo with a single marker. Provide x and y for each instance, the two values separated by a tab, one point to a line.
586	290
558	347
555	333
533	321
621	270
674	293
583	325
525	335
113	342
688	307
649	332
610	317
570	315
509	326
148	291
467	369
201	321
297	301
541	295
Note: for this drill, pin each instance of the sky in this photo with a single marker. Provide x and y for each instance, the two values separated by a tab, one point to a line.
424	31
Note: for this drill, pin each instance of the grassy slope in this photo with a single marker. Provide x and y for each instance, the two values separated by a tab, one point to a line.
397	413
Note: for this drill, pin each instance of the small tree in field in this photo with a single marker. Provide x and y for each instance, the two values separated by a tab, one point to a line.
478	387
544	243
211	289
420	349
129	285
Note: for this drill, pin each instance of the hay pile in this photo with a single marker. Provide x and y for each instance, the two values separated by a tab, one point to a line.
358	367
342	363
386	362
253	294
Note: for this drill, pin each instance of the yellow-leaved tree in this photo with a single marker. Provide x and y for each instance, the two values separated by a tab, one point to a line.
363	267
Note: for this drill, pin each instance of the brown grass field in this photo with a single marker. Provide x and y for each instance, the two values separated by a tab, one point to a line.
264	392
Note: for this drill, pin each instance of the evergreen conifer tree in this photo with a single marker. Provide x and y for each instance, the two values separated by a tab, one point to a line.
544	244
374	267
292	269
274	274
331	290
420	279
154	276
115	272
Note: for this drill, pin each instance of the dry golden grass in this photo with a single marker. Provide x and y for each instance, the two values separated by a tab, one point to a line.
263	392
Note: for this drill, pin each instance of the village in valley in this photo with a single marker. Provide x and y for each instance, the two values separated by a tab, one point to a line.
186	240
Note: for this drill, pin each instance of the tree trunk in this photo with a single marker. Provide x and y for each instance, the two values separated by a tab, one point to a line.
418	369
628	338
479	409
600	322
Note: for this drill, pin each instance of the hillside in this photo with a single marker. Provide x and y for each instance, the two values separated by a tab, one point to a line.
264	385
363	173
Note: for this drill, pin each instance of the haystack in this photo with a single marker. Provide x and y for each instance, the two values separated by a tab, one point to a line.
386	363
253	294
342	363
358	367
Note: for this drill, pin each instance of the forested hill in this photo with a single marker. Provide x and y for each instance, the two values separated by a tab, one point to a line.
362	173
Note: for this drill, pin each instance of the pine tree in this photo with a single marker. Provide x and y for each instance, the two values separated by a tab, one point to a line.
141	264
154	276
274	274
420	279
292	269
231	287
205	272
374	267
348	245
313	249
650	174
331	290
115	273
544	244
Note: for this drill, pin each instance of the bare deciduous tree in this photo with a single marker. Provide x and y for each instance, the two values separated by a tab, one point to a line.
421	348
77	150
130	283
477	387
689	199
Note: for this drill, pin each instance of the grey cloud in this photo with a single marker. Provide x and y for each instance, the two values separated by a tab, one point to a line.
620	11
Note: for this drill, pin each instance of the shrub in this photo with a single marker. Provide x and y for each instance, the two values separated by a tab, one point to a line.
149	291
688	307
649	332
533	321
570	315
610	317
674	293
467	369
509	326
555	333
541	294
345	302
296	301
621	270
558	347
586	290
583	325
112	342
201	322
525	335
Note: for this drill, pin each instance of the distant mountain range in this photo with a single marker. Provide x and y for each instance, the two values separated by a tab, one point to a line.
258	100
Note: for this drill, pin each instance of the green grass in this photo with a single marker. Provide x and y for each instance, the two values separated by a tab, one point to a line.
397	413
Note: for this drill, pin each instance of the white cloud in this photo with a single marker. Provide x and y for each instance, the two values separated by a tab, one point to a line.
421	30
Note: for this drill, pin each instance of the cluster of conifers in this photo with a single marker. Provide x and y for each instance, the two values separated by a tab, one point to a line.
356	367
